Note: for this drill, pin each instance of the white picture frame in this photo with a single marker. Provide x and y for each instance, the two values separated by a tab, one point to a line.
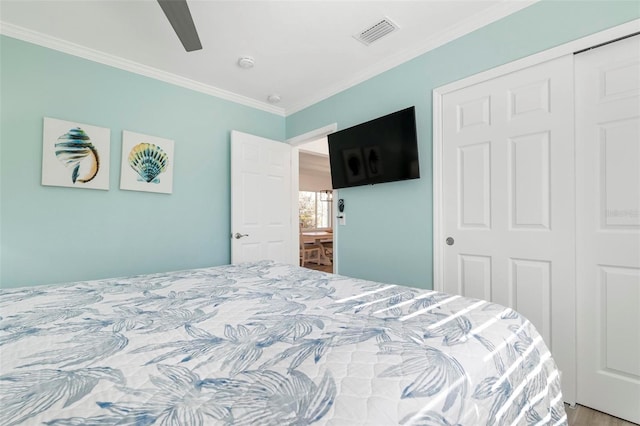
147	163
75	155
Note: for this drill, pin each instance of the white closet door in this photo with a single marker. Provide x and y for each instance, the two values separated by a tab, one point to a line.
608	227
508	185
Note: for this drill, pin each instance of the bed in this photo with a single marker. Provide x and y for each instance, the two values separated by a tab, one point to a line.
266	343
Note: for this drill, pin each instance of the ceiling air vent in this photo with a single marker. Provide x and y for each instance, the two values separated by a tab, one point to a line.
376	31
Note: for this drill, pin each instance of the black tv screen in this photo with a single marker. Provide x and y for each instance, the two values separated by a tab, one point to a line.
378	151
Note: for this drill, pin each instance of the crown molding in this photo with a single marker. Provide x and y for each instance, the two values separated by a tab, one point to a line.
499	11
34	37
495	13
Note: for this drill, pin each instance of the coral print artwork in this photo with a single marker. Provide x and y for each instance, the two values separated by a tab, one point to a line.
75	155
147	163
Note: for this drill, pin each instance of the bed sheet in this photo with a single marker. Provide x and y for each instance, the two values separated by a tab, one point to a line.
266	343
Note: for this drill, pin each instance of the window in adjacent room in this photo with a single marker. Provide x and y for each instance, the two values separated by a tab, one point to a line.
315	209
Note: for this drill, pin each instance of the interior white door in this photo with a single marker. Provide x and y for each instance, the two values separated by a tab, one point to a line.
508	193
608	227
261	210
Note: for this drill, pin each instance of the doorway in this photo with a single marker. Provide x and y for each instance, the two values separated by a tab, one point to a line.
310	154
315	205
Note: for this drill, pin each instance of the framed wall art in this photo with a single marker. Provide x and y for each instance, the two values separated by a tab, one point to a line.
147	163
75	155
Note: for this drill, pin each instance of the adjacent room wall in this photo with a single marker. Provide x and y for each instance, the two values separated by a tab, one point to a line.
388	234
55	234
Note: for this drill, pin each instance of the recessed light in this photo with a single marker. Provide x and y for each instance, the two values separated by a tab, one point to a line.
246	62
273	99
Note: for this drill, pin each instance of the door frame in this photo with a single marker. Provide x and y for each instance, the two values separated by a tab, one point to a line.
571	47
295	142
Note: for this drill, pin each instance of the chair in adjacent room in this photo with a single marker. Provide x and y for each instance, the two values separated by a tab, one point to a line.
327	249
309	252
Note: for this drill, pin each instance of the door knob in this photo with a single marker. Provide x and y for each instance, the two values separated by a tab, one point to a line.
449	241
238	235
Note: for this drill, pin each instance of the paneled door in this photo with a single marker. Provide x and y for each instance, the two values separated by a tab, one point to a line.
261	210
508	193
608	227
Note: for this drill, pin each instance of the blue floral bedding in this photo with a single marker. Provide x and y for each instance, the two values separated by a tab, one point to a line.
267	344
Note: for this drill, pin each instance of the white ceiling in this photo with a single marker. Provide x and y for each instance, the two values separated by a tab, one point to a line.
317	147
303	50
314	164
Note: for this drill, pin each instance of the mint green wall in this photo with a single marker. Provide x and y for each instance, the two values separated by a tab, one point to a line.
55	234
389	232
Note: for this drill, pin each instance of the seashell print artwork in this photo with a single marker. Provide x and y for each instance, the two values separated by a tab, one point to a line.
75	155
148	161
75	150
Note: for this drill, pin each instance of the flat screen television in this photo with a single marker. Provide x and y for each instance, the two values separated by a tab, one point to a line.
381	150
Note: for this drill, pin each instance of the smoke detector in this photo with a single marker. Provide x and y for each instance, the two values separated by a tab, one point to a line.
376	31
273	99
246	62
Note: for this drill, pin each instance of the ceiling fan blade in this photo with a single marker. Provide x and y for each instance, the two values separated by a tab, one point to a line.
177	12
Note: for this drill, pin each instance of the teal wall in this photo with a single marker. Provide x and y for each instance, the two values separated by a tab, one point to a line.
54	234
389	232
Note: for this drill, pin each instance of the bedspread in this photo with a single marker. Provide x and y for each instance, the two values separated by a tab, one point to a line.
267	344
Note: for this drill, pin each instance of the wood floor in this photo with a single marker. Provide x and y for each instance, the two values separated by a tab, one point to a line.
323	268
585	416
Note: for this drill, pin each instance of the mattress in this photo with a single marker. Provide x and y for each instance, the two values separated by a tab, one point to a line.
266	343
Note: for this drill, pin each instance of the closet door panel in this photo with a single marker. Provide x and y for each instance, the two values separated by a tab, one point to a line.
607	81
508	170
